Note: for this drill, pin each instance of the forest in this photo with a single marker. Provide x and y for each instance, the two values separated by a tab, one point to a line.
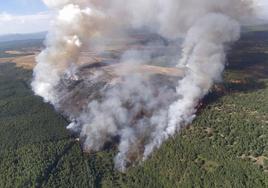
226	145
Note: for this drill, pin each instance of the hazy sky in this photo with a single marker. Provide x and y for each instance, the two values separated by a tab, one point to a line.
23	16
27	16
22	6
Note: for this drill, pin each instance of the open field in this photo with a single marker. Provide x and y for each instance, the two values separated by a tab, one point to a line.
26	62
226	146
21	52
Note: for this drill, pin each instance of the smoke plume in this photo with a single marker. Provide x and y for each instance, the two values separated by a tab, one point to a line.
126	100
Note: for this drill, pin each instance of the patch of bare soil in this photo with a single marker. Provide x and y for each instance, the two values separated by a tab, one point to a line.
26	62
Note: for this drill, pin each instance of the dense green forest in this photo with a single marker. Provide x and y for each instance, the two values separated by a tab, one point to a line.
226	146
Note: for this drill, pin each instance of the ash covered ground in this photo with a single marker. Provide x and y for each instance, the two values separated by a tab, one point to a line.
144	89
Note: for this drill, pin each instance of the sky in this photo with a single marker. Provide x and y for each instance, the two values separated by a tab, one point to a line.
29	16
23	16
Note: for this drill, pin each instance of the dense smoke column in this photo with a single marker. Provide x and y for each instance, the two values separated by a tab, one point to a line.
73	25
204	58
207	26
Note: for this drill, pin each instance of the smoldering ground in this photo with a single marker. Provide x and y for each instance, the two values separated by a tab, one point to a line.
122	87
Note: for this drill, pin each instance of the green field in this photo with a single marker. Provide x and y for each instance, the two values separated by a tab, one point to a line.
226	146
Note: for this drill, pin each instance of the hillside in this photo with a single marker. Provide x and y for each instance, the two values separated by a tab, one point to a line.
226	146
19	37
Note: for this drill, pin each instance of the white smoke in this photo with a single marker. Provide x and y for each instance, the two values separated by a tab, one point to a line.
132	110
